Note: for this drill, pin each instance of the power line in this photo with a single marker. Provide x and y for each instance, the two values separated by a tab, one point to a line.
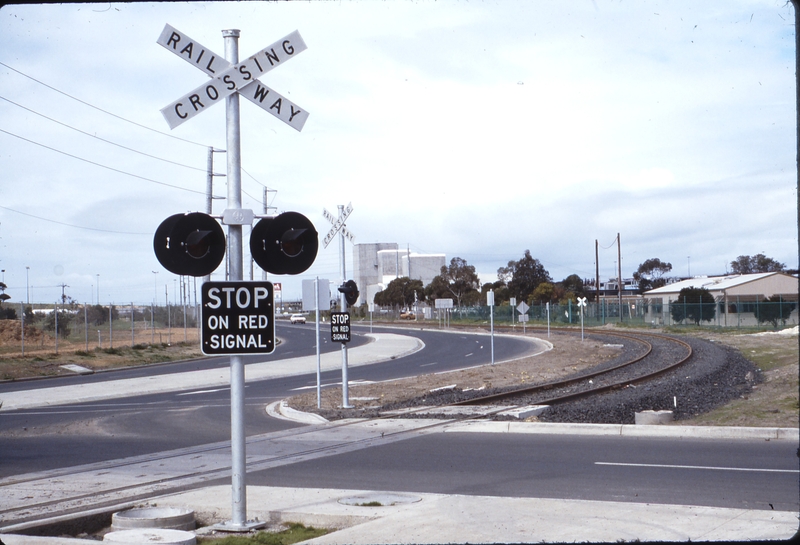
70	224
102	110
99	138
103	166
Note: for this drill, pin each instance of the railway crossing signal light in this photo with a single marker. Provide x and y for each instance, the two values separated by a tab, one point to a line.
350	290
189	244
285	244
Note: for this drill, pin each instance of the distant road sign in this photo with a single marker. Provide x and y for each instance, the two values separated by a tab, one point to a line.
228	79
237	318
443	303
523	308
340	327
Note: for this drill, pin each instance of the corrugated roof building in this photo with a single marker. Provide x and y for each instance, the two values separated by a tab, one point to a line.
737	296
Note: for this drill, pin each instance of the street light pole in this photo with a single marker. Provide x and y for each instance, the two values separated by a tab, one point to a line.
27	286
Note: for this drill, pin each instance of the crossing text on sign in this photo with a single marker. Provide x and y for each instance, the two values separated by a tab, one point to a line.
228	79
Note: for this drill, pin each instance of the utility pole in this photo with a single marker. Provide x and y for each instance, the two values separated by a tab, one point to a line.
597	270
619	272
63	295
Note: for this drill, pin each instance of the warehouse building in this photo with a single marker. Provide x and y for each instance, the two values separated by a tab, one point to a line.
737	297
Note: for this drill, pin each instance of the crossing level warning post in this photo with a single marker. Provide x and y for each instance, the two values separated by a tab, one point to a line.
237	318
340	327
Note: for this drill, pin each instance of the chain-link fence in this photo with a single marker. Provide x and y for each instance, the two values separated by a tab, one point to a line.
736	313
88	327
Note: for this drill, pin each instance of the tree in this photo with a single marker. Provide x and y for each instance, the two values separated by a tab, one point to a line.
460	278
573	286
695	304
759	263
437	289
650	274
773	310
64	319
544	293
523	276
400	292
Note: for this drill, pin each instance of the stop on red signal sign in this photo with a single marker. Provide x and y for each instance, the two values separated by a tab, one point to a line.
237	318
340	327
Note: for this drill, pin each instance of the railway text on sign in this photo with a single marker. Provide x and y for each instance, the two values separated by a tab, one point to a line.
237	318
340	327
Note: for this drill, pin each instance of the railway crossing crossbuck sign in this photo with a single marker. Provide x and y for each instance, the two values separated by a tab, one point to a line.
228	79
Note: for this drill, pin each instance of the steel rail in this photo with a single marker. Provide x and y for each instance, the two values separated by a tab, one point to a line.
483	400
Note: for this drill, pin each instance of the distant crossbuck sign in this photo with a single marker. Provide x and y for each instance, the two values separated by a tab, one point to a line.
338	224
228	79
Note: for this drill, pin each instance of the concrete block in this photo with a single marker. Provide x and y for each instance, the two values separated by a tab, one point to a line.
653	417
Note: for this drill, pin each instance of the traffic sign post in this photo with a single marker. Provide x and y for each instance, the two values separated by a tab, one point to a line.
581	305
339	227
523	309
231	78
490	302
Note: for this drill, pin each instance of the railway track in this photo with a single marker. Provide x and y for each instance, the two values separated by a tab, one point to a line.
660	354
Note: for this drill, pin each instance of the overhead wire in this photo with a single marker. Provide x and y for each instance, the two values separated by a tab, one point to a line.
72	224
101	165
110	142
99	138
102	110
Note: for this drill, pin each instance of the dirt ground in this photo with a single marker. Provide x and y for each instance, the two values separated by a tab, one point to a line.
566	357
773	403
43	358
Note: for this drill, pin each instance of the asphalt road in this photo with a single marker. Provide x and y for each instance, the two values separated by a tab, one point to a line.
68	435
718	473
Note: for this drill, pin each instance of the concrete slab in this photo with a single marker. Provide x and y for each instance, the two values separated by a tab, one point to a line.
437	518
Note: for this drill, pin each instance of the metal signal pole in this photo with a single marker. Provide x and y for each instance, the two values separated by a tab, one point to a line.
343	304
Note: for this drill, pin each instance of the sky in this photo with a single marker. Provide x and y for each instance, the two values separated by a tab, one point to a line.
476	129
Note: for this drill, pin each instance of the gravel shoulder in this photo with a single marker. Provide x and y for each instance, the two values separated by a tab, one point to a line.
734	380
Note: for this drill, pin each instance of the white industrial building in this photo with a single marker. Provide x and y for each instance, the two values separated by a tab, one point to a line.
376	265
736	296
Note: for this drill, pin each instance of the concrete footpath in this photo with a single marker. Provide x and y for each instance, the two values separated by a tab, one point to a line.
382	347
380	516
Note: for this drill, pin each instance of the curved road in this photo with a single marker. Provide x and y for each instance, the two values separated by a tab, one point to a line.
66	435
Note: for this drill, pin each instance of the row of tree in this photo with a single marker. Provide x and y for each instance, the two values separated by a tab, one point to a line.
527	280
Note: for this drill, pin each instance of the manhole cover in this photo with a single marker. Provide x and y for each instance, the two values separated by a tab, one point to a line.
379	499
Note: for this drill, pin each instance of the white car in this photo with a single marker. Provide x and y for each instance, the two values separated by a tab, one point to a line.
297	319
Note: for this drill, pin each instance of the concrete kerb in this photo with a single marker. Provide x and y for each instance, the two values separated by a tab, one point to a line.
282	410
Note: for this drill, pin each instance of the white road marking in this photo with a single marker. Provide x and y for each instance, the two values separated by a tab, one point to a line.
699	467
202	392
